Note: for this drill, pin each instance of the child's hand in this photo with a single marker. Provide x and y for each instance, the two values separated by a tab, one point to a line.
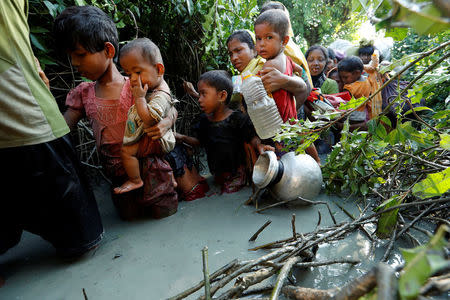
272	79
139	91
189	89
263	148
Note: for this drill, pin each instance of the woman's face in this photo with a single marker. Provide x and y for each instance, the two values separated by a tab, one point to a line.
316	62
240	54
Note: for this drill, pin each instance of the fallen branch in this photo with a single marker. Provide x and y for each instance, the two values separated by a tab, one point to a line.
255	235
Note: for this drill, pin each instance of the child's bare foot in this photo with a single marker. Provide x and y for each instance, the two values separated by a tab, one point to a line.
128	186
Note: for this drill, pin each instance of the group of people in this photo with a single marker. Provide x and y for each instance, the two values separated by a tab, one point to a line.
132	113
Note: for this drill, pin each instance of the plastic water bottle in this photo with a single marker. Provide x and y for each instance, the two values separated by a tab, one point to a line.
261	108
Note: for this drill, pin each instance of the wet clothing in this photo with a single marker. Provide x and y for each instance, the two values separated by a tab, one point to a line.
46	193
28	112
44	190
159	103
108	118
224	141
284	99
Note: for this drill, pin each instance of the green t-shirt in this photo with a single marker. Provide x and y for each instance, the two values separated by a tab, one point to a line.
29	113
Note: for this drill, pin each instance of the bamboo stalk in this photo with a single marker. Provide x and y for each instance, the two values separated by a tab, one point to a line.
206	273
283	275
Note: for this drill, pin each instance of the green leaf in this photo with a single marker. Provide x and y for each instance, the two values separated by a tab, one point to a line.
420	108
37	43
52	8
445	141
80	2
353	103
421	263
434	184
386	222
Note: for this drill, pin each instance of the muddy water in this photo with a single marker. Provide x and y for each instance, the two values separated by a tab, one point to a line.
156	259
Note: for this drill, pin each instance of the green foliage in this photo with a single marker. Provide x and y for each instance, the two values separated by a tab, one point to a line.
436	184
319	21
421	263
386	222
426	17
191	34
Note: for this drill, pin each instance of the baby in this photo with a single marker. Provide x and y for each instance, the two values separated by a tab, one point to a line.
142	62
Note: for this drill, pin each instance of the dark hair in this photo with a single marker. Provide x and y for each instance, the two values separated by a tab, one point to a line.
331	54
366	50
242	36
220	80
350	64
275	18
272	5
369	50
88	26
317	47
149	51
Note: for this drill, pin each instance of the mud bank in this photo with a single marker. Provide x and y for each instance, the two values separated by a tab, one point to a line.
156	259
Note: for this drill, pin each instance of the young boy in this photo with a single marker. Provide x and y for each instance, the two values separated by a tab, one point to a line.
361	84
271	32
142	61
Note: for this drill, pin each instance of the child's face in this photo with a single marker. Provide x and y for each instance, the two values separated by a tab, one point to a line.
135	66
349	77
210	98
365	58
240	54
268	42
90	65
335	77
316	62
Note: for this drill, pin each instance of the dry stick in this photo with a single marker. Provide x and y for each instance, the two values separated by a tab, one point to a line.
283	275
221	283
294	234
416	219
369	236
206	273
255	235
273	205
391	244
421	159
84	294
199	285
320	202
246	282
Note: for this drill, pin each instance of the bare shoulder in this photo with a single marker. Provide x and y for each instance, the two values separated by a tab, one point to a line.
278	62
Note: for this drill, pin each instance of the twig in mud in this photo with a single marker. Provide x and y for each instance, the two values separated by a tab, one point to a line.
206	273
438	166
319	221
369	236
255	235
84	294
273	205
416	219
283	275
391	245
294	234
213	276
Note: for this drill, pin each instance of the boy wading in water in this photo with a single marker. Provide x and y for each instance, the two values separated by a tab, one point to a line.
142	61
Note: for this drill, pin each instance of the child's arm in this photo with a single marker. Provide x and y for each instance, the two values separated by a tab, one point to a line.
187	139
72	116
261	148
141	104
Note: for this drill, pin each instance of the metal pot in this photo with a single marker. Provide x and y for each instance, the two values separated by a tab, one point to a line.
290	177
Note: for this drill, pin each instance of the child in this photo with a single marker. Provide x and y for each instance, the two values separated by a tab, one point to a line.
90	38
142	61
222	131
360	84
271	31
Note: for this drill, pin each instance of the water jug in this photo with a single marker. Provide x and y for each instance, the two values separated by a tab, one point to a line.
261	108
290	177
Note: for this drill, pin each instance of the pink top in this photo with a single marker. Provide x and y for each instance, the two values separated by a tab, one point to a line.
107	116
